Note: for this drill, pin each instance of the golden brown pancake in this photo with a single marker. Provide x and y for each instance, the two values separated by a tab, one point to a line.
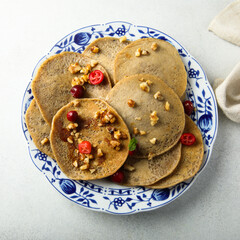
38	129
53	82
191	159
170	125
108	49
147	172
92	129
163	62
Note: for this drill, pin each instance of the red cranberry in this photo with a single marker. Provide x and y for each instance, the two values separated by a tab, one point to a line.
72	116
77	91
117	177
188	107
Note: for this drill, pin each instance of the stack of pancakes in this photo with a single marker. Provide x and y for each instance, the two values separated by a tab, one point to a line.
143	88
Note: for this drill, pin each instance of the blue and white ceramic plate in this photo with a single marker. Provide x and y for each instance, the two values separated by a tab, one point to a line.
102	195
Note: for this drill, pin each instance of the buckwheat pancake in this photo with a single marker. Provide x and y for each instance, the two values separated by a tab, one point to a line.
147	172
53	82
163	62
191	159
108	49
38	128
90	128
149	114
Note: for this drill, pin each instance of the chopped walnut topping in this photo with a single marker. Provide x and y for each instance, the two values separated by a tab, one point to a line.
99	152
131	103
117	134
86	70
142	132
74	68
154	46
138	118
167	106
77	135
135	131
149	83
90	156
84	167
154	118
81	156
145	52
114	143
144	86
107	116
153	140
158	96
123	39
128	167
70	139
117	148
94	49
44	141
72	126
92	170
124	135
77	81
75	163
151	156
86	159
93	63
97	115
80	140
138	52
141	80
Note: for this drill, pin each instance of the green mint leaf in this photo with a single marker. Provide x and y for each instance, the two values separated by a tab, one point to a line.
133	144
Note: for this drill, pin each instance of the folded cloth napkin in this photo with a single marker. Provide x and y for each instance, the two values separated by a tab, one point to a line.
228	94
226	24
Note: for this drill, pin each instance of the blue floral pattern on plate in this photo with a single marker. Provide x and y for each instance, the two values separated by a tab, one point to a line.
102	195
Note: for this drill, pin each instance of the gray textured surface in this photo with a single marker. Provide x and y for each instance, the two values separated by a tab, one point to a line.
30	208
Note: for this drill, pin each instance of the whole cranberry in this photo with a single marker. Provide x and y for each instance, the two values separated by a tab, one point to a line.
77	91
117	177
188	107
72	116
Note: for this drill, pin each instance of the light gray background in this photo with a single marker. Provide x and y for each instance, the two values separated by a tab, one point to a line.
30	208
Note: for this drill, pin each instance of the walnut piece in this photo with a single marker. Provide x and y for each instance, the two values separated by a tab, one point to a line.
123	39
74	68
117	134
94	49
75	163
167	106
144	86
153	140
138	118
149	83
142	132
70	139
135	131
153	118
72	126
77	81
44	141
131	103
138	52
154	46
145	52
99	152
158	96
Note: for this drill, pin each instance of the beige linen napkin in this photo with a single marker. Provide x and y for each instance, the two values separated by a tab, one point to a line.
228	94
226	24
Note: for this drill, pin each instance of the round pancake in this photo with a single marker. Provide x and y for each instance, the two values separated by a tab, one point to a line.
171	123
191	159
147	172
164	62
52	84
38	128
108	49
88	130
